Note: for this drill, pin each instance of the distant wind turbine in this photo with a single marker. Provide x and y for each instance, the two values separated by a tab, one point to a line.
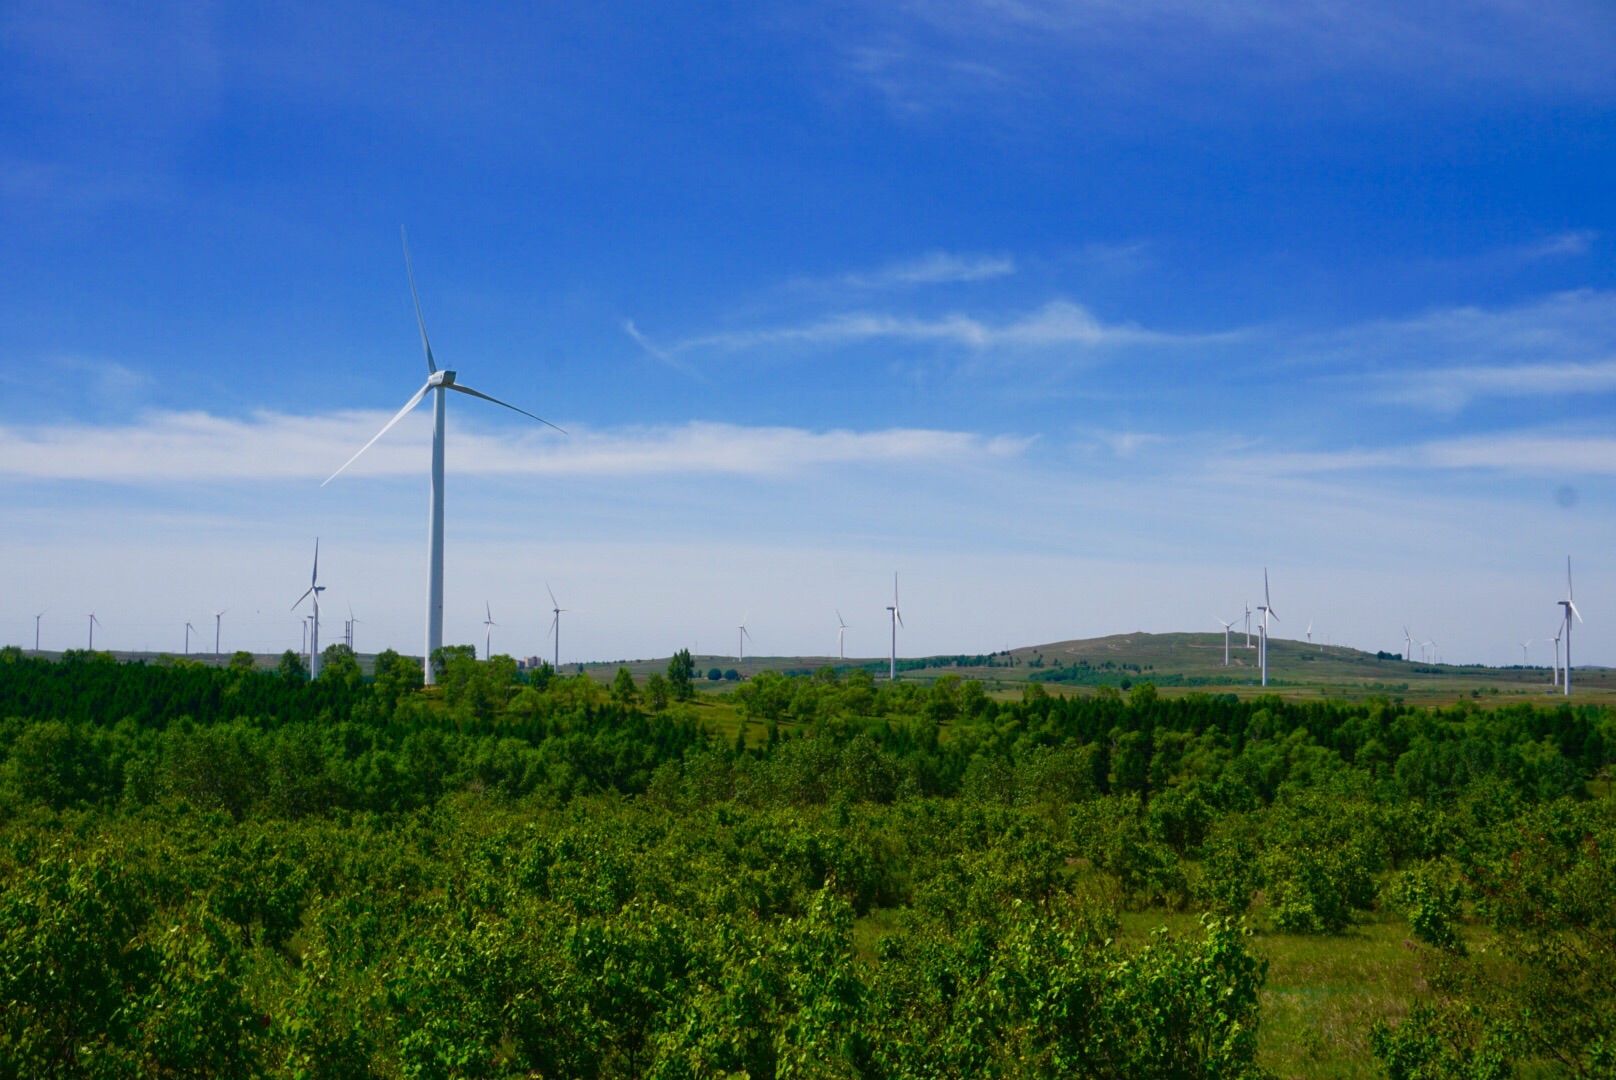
218	616
353	621
1525	653
1309	631
1267	609
437	383
741	638
555	624
1408	644
1570	612
841	637
1248	624
1227	627
41	615
896	615
314	591
189	630
488	631
1554	676
94	622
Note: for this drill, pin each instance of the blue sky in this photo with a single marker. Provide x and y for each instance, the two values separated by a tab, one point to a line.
1077	314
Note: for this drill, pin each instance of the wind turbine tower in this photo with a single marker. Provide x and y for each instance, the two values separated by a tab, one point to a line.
1570	612
41	615
488	631
1525	653
1267	609
438	383
741	639
189	630
1227	627
1248	624
94	622
1408	644
313	592
896	615
217	617
555	624
841	637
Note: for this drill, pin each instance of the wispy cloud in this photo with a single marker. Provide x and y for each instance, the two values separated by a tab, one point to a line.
1059	322
1572	242
923	58
200	447
933	268
1444	359
1452	388
1532	453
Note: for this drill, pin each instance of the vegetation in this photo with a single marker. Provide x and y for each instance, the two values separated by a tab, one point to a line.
228	871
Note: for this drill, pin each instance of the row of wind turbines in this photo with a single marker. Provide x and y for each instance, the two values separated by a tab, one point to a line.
1561	675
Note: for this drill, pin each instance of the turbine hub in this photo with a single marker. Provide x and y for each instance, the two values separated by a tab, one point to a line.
441	378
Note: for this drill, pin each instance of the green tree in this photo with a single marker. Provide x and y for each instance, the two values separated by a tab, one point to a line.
242	660
681	673
657	692
623	689
291	668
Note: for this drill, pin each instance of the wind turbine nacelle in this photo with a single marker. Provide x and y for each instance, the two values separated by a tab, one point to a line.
441	378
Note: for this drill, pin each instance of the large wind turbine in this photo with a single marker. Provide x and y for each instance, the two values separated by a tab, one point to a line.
741	638
896	615
189	630
41	615
841	637
555	623
1570	612
1408	644
314	591
353	621
437	383
1525	653
94	622
217	616
1267	609
1248	624
488	631
1227	627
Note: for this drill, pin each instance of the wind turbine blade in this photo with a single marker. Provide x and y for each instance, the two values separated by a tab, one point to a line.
553	601
479	394
553	622
409	268
488	612
1266	601
316	575
899	614
300	599
408	405
1574	610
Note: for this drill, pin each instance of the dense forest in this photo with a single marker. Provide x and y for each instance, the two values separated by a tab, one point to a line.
227	871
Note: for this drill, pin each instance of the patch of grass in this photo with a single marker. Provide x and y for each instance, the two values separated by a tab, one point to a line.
1323	993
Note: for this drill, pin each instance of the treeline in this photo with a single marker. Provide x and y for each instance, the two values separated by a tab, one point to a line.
230	872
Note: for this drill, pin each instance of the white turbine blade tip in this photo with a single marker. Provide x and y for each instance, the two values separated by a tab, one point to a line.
408	405
486	397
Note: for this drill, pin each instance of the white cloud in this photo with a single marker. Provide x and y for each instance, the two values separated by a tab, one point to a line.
1059	322
197	446
1570	243
933	268
1452	388
1518	453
